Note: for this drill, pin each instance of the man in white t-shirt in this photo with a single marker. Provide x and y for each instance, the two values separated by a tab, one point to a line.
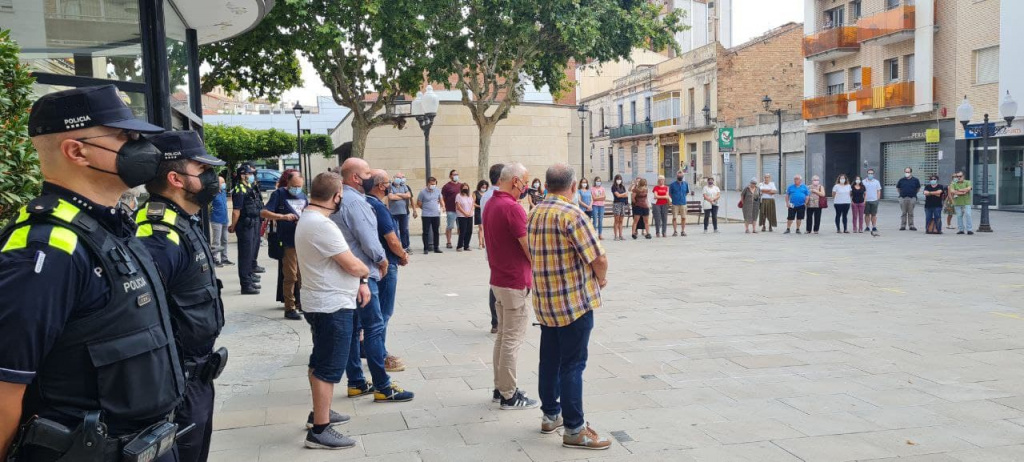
872	193
333	282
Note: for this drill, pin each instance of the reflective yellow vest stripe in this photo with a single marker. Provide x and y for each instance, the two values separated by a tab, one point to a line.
146	230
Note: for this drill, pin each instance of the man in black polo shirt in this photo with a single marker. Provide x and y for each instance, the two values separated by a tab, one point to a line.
908	187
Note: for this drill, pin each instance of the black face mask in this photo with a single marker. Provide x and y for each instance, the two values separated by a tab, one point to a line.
137	162
368	185
209	188
337	207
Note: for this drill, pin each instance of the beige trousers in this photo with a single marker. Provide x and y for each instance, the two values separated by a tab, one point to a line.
291	277
513	308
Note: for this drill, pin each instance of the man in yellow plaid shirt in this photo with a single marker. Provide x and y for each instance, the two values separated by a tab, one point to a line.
569	270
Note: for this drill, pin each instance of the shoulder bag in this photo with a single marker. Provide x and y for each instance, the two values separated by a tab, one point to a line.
275	248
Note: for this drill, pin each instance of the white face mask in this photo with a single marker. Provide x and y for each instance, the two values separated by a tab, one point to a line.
618	181
816	182
857	180
430	187
907	174
842	181
597	183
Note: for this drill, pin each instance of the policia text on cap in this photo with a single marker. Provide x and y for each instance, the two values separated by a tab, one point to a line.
89	365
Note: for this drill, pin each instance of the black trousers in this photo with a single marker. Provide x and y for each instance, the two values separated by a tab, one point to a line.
713	214
465	232
813	219
842	210
247	247
431	236
197	408
494	313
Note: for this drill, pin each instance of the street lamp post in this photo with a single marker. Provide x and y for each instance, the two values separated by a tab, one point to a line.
297	110
1008	110
424	109
767	101
582	112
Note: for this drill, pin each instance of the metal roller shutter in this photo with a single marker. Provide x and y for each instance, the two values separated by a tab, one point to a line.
922	157
794	166
748	168
770	165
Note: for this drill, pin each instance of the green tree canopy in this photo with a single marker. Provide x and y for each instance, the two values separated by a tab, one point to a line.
366	52
234	144
20	178
494	47
318	143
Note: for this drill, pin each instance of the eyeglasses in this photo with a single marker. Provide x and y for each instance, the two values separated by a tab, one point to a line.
131	135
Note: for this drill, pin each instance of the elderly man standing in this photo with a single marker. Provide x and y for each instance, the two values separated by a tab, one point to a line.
569	270
399	203
509	258
359	226
397	256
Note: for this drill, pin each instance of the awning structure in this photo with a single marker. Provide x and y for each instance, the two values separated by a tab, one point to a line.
216	20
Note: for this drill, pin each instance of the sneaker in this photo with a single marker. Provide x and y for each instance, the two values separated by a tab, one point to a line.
913	228
293	315
683	234
787	231
867	230
548	426
393	364
518	401
426	251
329	439
496	397
438	251
874	230
355	392
336	419
798	231
970	233
674	234
959	232
218	264
227	262
392	394
259	269
903	228
585	439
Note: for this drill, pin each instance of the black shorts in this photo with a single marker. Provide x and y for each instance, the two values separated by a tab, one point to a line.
797	212
640	211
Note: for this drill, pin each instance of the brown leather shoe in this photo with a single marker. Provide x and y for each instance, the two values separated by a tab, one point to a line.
585	439
393	364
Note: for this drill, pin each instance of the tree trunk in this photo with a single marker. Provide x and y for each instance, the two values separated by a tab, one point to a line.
484	155
360	131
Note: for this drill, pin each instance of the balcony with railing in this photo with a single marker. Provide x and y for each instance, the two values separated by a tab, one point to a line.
697	123
831	43
892	95
890	26
631	130
820	107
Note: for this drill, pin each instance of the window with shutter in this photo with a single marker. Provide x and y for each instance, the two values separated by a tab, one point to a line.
892	70
856	78
910	68
986	65
836	82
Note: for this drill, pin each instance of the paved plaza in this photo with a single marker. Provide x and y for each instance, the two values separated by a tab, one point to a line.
715	347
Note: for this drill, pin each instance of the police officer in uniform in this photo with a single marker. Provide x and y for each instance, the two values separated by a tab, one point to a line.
170	228
89	368
245	223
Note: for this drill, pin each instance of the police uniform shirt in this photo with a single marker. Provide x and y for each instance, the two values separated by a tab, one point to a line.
46	283
241	193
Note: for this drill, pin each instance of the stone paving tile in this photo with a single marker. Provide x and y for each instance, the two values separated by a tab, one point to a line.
830	424
989	434
917	441
1001	454
749	431
499	452
834	448
828	404
973	411
411	440
750	452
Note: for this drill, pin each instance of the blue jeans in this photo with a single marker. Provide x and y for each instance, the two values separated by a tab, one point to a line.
563	356
387	286
372	323
933	217
598	218
963	213
332	344
403	228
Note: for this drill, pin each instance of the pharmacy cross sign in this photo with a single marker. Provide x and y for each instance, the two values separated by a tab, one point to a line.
725	139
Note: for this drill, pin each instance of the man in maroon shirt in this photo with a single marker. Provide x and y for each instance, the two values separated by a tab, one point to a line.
511	278
448	194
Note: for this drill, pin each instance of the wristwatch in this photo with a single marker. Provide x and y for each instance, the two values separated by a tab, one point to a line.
363	281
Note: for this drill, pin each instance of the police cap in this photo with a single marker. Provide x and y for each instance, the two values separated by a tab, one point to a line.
84	107
245	168
183	145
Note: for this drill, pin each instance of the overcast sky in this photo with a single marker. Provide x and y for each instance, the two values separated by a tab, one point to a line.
750	19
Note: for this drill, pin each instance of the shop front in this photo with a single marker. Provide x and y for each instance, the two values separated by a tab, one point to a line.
929	148
1005	165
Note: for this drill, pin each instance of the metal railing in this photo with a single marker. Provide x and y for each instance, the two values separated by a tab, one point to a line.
820	107
836	38
899	19
637	129
895	94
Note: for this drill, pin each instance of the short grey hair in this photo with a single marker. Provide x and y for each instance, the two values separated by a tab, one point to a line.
560	177
511	171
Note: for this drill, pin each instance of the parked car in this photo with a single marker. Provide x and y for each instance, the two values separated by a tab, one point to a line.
267	179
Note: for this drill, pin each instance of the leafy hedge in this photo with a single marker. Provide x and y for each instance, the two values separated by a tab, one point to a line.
20	178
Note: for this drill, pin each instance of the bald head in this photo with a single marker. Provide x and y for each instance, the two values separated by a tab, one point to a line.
381	183
354	171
